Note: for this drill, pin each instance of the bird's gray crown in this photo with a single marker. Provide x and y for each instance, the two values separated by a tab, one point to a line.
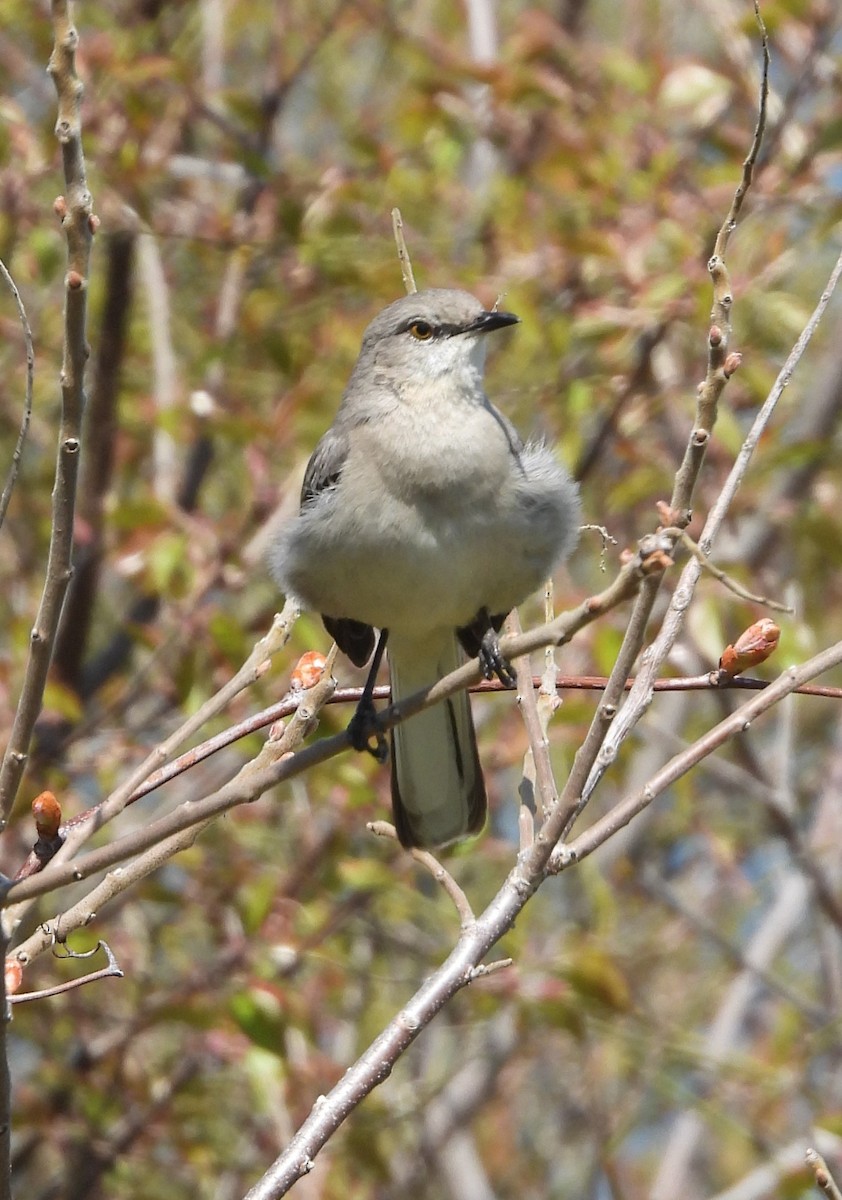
444	312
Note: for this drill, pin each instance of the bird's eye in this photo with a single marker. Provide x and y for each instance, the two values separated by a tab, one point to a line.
422	330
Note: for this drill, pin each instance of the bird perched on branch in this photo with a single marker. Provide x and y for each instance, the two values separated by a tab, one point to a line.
424	515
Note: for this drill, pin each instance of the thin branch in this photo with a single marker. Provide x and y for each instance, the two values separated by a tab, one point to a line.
331	1110
723	578
737	722
245	789
79	225
154	851
641	693
821	1173
537	768
600	745
403	253
77	832
107	972
730	222
247	786
440	873
27	399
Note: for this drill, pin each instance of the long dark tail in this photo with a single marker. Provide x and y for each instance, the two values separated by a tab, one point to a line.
438	793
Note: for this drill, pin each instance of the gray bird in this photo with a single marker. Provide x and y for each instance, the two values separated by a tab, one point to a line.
425	516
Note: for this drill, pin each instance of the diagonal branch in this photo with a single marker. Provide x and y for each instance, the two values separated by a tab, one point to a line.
458	970
641	692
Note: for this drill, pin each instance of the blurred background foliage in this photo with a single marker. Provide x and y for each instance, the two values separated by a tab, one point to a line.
577	157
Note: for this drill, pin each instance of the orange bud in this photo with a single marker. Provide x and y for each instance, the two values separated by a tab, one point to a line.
14	975
752	647
658	560
308	670
47	813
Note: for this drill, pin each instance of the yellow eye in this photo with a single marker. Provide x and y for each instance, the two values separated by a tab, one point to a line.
422	330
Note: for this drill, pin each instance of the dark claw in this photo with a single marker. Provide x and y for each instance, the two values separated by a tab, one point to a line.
491	661
365	727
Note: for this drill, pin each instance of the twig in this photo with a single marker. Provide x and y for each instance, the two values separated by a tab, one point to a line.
331	747
112	969
100	429
641	692
351	695
248	786
27	399
824	1180
484	969
154	851
456	972
730	222
603	744
683	536
61	872
537	769
79	224
403	253
440	873
737	722
76	833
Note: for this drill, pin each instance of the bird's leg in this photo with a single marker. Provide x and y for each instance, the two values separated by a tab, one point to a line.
479	640
364	725
491	660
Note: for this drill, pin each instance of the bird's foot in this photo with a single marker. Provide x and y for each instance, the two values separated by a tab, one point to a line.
492	662
366	733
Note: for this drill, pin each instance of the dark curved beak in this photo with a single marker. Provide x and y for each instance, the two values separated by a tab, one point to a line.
488	321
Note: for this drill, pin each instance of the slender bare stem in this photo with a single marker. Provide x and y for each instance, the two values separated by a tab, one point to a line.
403	253
27	399
641	692
112	970
439	872
821	1173
75	210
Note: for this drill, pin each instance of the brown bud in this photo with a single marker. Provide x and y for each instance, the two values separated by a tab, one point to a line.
715	336
74	280
308	670
93	222
670	517
60	207
731	363
658	560
752	647
14	975
47	813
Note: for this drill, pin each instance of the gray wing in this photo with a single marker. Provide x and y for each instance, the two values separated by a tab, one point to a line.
325	465
353	638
